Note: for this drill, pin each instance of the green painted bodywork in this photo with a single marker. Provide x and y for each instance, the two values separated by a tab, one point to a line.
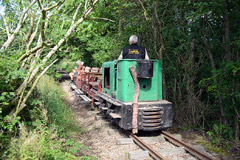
150	88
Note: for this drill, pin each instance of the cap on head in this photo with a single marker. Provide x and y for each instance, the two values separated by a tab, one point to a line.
133	39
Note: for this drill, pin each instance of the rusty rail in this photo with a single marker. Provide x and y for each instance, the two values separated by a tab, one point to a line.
145	146
186	147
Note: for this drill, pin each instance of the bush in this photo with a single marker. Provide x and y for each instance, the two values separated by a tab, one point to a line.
41	143
43	137
58	113
44	131
67	65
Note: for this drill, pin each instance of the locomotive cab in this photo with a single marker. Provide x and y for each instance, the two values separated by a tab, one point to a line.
118	89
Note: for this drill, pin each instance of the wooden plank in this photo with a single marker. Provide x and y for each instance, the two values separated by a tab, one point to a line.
94	83
87	69
73	86
97	103
79	91
109	99
85	98
104	108
94	70
115	115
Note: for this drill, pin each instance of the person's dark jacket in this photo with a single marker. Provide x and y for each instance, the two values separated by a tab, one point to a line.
134	52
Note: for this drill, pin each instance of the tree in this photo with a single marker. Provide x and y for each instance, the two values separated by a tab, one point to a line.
38	52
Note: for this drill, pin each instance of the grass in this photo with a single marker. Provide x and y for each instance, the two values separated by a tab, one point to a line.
51	127
58	113
211	147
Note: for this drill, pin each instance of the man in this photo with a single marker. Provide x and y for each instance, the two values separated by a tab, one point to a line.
133	51
79	66
72	74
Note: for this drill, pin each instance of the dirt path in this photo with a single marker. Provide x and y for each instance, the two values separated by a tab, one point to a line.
99	134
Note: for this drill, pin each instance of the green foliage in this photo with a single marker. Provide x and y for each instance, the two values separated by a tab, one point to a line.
66	65
219	133
42	137
57	112
192	85
75	148
40	143
9	73
5	97
226	76
224	82
7	129
213	148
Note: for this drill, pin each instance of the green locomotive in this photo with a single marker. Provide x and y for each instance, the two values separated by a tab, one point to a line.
118	88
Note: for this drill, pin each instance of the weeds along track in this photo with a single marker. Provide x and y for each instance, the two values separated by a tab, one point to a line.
111	142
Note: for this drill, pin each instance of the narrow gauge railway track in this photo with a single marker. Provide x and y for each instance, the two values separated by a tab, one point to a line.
145	146
158	156
167	136
186	147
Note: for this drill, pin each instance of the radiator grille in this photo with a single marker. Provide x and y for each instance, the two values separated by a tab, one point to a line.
151	117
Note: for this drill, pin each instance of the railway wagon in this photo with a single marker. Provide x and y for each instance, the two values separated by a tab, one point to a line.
118	89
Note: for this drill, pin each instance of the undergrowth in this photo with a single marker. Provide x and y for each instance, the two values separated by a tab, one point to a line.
66	65
58	113
45	130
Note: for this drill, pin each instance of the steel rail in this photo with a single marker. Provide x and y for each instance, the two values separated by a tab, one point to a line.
145	146
186	147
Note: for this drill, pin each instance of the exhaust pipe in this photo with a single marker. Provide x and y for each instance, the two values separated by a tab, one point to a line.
135	101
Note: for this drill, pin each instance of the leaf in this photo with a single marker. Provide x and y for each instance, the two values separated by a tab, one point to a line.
4	93
73	150
57	75
77	146
69	142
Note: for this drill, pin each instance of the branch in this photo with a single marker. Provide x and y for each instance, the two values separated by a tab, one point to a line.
160	32
14	112
86	4
106	19
23	17
6	25
36	48
31	26
44	16
29	43
49	8
145	11
34	34
56	47
19	25
40	5
59	8
86	12
43	25
75	14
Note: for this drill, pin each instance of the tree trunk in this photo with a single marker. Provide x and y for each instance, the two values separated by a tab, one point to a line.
226	40
193	50
223	115
12	36
162	49
33	71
